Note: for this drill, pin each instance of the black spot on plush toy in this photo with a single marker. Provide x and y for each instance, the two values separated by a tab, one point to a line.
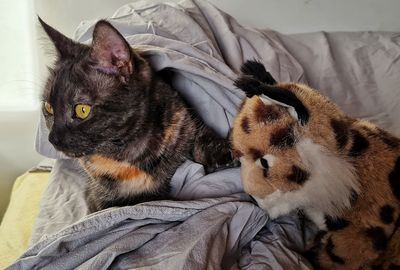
298	150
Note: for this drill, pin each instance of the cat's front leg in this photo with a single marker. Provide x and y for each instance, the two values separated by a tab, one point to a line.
212	151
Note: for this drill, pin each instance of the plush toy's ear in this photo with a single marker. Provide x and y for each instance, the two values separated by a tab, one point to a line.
274	95
286	98
258	71
66	47
256	81
111	51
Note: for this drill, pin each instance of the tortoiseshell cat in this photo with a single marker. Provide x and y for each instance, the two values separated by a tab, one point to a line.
105	105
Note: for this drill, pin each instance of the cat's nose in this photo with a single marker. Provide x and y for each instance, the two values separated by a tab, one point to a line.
54	139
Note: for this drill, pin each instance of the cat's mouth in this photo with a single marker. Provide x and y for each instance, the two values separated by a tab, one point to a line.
69	153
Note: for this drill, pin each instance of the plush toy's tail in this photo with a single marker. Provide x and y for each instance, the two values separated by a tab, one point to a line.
256	81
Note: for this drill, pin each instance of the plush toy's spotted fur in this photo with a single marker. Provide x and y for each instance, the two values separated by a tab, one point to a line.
299	151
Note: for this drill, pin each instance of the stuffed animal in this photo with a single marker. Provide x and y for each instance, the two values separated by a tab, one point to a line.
298	150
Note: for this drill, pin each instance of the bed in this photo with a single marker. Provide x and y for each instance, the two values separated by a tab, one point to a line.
212	224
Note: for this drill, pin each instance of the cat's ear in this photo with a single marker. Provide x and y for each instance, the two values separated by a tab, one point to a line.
111	51
66	47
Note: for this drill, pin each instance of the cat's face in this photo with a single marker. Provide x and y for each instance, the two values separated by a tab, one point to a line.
95	95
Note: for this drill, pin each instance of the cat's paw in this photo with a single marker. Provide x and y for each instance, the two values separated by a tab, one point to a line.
222	157
216	166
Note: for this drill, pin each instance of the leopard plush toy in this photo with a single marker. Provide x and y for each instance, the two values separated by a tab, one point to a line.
298	150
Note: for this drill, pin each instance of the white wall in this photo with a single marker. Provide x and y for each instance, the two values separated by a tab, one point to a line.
288	16
298	16
23	57
20	82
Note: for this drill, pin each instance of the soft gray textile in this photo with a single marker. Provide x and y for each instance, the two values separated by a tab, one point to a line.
219	231
215	226
359	71
63	202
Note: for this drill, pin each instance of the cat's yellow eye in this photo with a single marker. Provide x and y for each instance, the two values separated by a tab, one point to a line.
82	110
48	107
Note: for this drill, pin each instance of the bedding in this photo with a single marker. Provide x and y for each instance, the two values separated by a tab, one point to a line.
212	223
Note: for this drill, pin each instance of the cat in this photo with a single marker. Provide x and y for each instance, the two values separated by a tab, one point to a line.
130	130
298	150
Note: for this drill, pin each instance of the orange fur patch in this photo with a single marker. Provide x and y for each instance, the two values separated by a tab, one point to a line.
171	132
118	170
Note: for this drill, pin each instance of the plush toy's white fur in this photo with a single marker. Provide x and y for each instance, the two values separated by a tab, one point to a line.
327	191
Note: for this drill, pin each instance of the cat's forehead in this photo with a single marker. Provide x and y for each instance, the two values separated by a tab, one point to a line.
74	79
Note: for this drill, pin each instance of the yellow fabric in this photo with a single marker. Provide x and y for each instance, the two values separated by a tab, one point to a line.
18	221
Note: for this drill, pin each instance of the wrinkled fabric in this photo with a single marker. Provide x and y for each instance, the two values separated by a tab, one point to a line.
212	224
359	71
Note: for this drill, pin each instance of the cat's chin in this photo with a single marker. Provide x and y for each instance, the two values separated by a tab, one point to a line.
74	155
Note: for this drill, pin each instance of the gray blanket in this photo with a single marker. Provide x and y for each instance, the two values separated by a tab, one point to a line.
221	231
212	224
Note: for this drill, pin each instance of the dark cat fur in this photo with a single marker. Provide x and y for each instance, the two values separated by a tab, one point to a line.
139	129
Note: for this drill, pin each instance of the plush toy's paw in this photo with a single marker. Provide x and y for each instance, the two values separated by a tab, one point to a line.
277	211
275	204
258	71
250	85
317	217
